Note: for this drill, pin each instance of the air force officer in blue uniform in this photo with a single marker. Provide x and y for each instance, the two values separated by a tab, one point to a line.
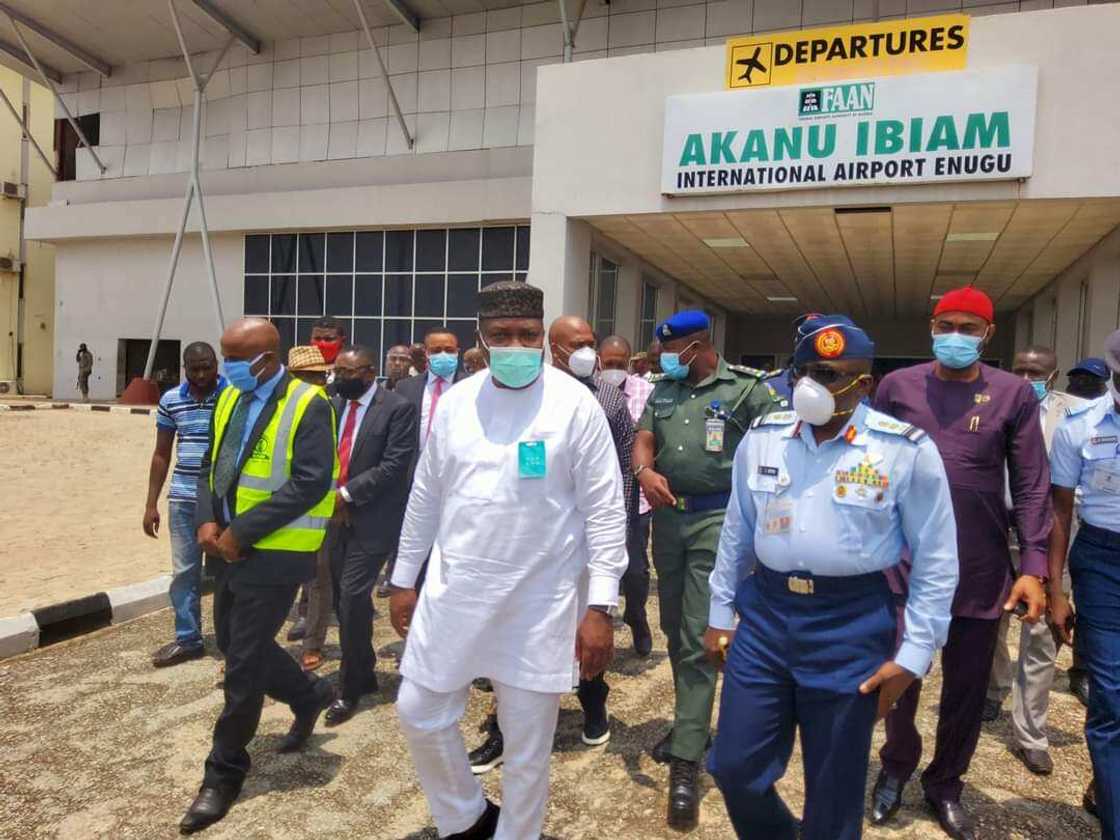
824	499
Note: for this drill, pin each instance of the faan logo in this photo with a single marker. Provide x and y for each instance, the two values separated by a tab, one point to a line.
832	100
260	449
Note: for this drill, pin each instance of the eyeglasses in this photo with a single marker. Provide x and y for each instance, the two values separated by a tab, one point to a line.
821	373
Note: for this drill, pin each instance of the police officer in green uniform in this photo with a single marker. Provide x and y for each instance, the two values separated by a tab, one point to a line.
698	412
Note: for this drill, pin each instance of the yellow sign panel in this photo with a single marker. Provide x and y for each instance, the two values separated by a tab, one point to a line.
886	48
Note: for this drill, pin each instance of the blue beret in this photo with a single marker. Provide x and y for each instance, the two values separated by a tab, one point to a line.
1092	366
830	337
683	323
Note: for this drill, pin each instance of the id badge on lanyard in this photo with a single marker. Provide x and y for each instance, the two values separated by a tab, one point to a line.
714	429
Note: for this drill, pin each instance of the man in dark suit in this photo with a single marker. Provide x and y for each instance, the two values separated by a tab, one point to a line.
264	512
423	392
376	442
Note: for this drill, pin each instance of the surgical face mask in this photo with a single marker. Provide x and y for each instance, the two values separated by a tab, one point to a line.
957	351
239	374
1041	388
614	377
582	362
443	365
672	366
515	367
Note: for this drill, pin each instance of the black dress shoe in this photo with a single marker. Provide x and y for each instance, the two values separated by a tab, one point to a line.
298	631
643	638
954	819
483	829
886	798
1089	800
684	799
991	711
209	806
174	653
1037	761
340	711
304	725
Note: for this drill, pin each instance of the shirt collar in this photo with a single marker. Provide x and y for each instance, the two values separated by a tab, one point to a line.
365	399
432	378
185	389
264	390
722	371
853	433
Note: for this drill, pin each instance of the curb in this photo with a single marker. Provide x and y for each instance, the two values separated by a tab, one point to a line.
44	626
47	406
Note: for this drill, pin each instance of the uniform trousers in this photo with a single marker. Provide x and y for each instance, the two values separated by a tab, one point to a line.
248	616
966	664
320	597
635	582
354	571
684	552
797	661
430	722
1028	681
1094	565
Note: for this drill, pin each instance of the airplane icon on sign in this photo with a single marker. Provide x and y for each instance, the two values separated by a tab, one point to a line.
751	64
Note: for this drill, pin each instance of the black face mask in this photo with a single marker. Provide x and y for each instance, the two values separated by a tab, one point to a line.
350	389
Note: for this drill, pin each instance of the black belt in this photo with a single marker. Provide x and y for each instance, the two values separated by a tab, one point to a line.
1101	536
699	504
805	584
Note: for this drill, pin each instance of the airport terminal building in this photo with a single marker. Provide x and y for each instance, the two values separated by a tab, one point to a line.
757	158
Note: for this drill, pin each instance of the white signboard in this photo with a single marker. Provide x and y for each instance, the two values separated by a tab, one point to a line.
966	126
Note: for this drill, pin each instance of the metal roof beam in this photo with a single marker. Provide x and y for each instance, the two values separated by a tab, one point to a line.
17	54
88	59
408	17
251	42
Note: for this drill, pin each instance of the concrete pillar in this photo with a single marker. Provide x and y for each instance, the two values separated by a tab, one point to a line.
628	300
558	263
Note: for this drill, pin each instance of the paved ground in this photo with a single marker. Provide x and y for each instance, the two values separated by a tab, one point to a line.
74	488
98	744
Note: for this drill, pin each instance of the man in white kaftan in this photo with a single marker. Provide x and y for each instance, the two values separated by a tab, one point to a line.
521	489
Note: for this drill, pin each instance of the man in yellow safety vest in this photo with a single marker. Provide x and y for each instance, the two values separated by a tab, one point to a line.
265	495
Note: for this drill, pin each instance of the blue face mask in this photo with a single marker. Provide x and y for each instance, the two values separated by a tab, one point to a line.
957	351
1040	389
672	367
516	367
238	373
443	365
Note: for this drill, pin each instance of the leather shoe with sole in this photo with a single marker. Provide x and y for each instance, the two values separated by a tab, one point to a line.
1079	686
174	653
954	819
483	829
1037	761
643	638
991	711
684	799
209	806
298	631
886	798
340	711
304	725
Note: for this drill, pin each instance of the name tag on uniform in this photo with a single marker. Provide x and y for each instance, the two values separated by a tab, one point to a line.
768	471
531	462
1103	439
779	517
713	434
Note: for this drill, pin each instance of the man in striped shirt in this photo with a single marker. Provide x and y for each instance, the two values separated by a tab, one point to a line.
183	413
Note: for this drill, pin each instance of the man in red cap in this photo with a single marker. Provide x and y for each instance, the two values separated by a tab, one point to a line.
984	421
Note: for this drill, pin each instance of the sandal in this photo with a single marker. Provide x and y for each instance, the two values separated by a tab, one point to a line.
311	660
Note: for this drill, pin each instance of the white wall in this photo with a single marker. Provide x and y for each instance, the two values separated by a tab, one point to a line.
109	289
600	124
1056	311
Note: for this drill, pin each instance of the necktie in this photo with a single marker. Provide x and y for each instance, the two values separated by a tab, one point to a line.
346	443
225	469
432	408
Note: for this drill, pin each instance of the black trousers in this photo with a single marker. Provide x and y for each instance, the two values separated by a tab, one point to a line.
247	617
354	572
635	582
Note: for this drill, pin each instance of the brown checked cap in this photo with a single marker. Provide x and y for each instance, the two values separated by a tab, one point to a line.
510	299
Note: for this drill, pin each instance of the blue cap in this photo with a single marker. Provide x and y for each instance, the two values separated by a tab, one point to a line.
683	323
1092	366
831	337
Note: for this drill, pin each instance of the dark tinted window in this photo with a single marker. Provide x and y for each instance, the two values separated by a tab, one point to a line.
340	294
310	296
462	248
367	294
340	252
256	254
284	253
369	247
311	246
497	249
256	295
522	249
431	250
429	295
398	250
283	294
398	294
462	295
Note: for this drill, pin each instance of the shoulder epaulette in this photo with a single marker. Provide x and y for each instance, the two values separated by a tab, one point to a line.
890	426
772	374
1074	410
749	371
775	418
775	396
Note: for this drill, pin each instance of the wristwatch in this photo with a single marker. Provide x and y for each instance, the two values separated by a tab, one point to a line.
604	609
641	468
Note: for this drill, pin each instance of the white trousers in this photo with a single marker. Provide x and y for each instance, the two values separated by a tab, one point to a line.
430	722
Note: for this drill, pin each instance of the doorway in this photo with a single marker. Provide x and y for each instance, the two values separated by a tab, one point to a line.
132	355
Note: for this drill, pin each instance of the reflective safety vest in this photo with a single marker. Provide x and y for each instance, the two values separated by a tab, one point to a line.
269	465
